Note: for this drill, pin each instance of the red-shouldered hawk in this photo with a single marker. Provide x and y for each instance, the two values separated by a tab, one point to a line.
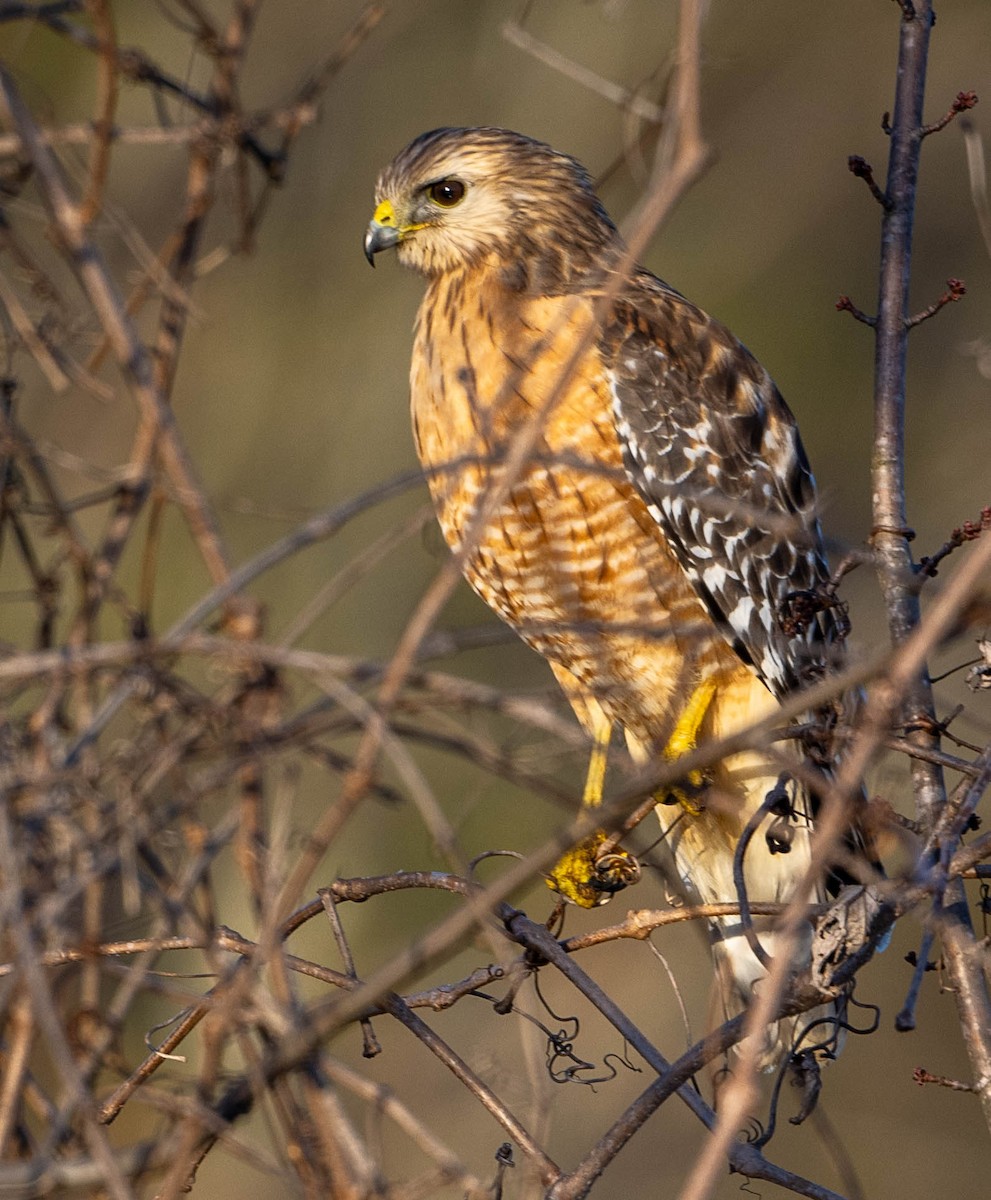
661	537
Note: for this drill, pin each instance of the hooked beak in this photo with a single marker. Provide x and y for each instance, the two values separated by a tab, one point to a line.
382	232
379	237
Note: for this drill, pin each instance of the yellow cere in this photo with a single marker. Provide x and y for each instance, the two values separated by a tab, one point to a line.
385	214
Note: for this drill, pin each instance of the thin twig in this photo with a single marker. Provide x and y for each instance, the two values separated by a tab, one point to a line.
131	353
921	1076
860	168
969	531
622	97
100	146
845	304
955	290
964	102
905	1020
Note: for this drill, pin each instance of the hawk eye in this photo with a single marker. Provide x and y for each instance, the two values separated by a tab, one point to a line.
447	192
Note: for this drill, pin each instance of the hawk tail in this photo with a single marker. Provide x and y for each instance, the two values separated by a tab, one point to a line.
738	974
754	829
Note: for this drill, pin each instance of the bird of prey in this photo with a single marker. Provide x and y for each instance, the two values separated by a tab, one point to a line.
629	492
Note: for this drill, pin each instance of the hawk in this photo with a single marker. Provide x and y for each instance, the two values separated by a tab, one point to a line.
659	545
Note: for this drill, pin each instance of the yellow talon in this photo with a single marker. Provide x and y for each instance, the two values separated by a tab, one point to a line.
587	877
589	873
687	796
574	871
586	874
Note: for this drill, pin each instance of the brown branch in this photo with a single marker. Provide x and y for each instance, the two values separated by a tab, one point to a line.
238	1097
621	97
132	355
745	1158
640	924
860	168
750	1161
33	339
381	1099
99	160
290	118
921	1076
20	1031
845	304
939	757
955	291
969	531
967	857
546	1168
133	64
964	102
536	938
26	950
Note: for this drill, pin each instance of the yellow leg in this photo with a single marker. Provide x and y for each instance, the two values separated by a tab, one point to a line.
584	874
595	778
684	739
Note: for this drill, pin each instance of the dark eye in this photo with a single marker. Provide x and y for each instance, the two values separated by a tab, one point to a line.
447	192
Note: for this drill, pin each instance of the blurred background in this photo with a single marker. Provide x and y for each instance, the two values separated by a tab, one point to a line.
292	395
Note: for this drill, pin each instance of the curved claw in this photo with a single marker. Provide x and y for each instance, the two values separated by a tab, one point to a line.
588	877
615	870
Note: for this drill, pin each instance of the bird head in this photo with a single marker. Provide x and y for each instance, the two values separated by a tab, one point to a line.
464	198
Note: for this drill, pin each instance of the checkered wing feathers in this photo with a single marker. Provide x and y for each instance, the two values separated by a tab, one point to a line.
714	451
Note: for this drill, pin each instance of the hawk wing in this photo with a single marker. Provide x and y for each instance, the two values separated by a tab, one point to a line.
714	451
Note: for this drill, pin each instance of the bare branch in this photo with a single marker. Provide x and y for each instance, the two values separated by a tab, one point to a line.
99	164
622	97
894	561
860	168
845	304
921	1076
955	291
969	531
964	102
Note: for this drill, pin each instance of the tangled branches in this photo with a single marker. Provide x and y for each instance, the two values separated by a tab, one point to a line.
174	764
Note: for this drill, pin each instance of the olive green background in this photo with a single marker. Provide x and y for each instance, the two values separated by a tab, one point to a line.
292	395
